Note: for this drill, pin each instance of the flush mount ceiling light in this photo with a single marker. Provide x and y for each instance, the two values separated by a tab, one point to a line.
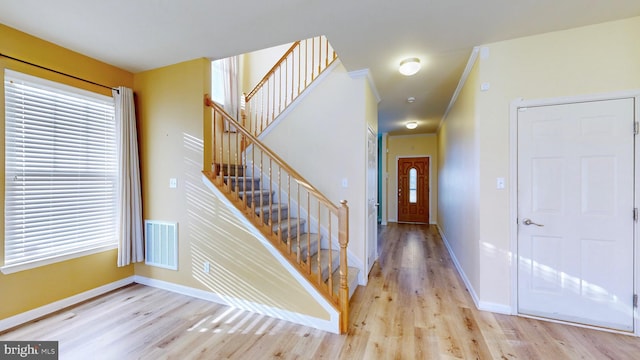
411	100
409	66
412	125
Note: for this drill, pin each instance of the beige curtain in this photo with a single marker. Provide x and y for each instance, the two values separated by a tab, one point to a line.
129	226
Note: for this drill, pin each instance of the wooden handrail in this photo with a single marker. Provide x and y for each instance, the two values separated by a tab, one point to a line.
272	70
300	65
281	163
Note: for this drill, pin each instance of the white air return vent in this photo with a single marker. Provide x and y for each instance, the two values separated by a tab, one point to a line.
161	244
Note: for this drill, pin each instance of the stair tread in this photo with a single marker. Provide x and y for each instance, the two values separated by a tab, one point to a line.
242	183
252	192
241	177
229	169
285	223
275	206
352	279
305	239
324	258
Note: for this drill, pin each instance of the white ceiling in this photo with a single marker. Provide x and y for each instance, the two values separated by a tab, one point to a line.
373	34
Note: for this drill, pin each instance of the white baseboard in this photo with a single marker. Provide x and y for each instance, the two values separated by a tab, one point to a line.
480	305
495	308
331	325
464	277
36	313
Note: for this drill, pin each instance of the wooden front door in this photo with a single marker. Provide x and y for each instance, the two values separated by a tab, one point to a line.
413	190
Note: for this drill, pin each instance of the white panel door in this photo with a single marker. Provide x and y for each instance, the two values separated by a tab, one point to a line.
372	199
575	212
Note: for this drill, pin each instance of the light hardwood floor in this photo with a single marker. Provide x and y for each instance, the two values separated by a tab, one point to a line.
415	307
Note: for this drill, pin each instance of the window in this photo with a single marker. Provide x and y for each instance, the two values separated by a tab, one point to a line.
60	172
218	76
413	186
225	88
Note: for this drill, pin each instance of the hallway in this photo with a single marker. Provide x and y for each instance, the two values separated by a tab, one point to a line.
418	307
415	307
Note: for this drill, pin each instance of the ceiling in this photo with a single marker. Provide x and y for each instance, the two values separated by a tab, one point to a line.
367	34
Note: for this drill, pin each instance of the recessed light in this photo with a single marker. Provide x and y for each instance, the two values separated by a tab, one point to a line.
412	125
409	66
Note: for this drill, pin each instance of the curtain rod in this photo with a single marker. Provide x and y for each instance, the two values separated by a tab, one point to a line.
58	72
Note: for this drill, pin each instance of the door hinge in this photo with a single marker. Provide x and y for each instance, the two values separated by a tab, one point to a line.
635	214
635	300
636	128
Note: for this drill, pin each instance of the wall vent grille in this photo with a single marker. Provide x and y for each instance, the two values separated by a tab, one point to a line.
161	244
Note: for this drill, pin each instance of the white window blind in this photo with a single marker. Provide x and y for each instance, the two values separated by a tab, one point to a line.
61	172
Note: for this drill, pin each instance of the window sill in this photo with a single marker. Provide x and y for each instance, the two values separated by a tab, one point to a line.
14	268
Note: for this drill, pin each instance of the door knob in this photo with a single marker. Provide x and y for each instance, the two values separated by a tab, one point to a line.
529	222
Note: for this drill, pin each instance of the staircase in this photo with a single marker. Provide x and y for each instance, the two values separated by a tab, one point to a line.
295	233
299	221
310	231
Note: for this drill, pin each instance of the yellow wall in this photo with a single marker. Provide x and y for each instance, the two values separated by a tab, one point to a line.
458	179
411	146
30	289
171	114
593	59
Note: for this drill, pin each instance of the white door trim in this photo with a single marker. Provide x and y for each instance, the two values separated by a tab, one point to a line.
384	178
513	190
368	235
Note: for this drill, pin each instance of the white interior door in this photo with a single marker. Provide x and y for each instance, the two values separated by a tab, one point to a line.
575	212
372	199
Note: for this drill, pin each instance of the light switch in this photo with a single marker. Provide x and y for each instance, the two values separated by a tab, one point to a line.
173	183
500	183
345	183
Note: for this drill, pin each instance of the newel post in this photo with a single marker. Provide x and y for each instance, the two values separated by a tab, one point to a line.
208	137
343	238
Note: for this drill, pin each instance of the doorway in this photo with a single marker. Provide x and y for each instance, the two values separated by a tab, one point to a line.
575	206
413	190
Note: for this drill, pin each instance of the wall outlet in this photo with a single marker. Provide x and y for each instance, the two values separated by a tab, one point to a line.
206	267
173	183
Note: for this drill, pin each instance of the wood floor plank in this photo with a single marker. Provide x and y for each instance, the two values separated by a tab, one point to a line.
414	307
